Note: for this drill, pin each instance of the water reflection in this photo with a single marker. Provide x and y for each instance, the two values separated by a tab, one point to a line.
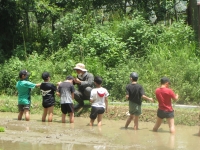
164	141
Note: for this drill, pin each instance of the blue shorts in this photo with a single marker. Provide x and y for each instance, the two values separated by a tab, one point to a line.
95	111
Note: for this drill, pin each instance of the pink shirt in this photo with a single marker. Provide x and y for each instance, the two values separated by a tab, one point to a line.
164	96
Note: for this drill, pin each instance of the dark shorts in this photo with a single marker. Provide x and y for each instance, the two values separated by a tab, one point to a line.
165	114
134	109
67	108
47	105
95	111
22	107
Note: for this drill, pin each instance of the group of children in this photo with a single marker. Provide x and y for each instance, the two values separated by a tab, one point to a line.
65	90
98	99
164	95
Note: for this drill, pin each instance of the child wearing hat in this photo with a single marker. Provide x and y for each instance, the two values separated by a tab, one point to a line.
164	96
99	101
66	92
135	93
24	88
48	97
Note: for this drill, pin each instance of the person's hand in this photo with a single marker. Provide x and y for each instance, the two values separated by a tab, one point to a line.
151	99
38	85
58	83
76	80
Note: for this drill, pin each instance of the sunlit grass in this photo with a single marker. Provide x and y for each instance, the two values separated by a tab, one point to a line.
2	129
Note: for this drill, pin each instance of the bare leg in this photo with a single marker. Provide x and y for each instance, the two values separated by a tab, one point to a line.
199	131
130	118
99	119
71	117
157	125
91	122
171	141
20	115
171	125
63	118
136	122
44	114
27	115
50	113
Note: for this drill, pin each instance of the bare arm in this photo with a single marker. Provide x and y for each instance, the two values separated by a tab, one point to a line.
176	97
106	102
91	101
57	93
147	98
72	95
38	85
127	96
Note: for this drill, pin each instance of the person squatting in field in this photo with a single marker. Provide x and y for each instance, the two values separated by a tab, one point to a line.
85	83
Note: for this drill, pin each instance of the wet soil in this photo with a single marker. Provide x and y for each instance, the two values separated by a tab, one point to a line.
34	134
185	116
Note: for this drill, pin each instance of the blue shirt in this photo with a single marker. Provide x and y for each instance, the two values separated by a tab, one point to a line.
23	88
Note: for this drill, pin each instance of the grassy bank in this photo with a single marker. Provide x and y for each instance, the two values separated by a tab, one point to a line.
117	111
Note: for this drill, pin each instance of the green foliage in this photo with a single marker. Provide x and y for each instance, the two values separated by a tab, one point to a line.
68	25
9	28
112	50
177	33
136	33
98	43
2	129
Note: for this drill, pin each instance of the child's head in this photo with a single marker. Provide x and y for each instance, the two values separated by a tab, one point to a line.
23	74
98	80
45	76
134	76
70	78
165	81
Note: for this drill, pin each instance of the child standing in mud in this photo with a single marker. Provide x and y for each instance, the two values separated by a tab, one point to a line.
99	101
135	93
66	92
164	95
48	97
23	88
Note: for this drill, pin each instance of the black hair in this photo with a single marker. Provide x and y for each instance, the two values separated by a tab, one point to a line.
69	77
23	72
45	75
164	80
98	80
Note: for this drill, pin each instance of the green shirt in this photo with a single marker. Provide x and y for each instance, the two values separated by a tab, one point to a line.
23	88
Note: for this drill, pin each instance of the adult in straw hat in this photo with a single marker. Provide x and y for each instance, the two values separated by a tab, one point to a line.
85	83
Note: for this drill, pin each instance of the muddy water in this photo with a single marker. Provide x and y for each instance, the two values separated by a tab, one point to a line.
35	135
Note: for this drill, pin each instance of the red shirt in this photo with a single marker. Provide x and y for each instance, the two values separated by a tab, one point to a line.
164	96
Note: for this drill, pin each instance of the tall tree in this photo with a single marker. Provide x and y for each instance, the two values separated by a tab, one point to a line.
9	28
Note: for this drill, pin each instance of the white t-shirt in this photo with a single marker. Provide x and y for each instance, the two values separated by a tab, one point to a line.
98	95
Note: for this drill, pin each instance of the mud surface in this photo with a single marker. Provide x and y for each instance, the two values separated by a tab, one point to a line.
33	135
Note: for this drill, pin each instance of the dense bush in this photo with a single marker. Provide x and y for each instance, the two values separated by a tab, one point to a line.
113	51
99	44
